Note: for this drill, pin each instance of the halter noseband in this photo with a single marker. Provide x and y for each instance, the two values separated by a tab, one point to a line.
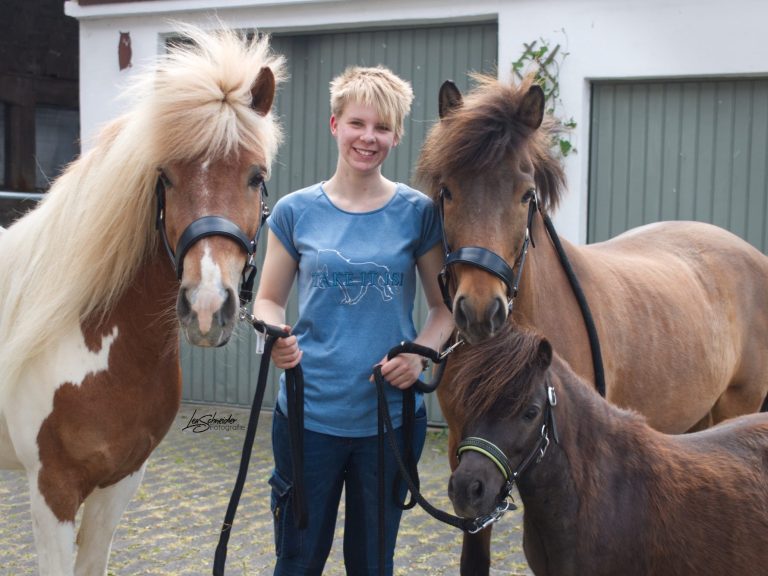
500	460
484	258
212	226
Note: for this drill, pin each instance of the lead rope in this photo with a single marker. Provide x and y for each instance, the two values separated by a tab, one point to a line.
386	428
586	312
295	391
589	321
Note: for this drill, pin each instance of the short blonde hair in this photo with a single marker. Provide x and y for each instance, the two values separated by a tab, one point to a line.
376	86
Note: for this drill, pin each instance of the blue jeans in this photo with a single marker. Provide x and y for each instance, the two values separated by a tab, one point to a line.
330	463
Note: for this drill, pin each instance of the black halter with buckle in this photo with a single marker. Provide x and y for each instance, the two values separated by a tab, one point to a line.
497	456
483	257
212	226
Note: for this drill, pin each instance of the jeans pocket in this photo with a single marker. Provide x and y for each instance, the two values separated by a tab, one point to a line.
286	534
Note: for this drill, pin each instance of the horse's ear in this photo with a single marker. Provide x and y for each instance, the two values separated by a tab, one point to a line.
449	98
263	91
531	110
544	354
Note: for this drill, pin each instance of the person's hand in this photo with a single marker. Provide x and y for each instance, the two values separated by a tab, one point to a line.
402	371
285	352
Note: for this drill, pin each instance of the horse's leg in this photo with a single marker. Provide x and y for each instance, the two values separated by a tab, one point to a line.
54	537
476	553
475	548
102	511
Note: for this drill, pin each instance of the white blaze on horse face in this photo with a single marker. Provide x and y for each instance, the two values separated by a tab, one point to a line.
210	294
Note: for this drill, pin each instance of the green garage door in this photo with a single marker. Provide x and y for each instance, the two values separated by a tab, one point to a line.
679	150
426	57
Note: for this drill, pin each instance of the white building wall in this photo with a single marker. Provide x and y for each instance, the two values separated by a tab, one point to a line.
605	39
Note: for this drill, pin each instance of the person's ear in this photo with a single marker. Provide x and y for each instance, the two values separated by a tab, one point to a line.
333	124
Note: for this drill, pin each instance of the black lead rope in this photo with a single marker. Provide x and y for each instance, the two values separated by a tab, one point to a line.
589	321
407	469
386	428
294	380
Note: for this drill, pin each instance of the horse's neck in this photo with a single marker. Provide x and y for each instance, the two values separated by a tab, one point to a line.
546	300
145	311
595	439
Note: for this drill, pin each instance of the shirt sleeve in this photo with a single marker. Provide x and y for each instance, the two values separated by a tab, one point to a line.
431	228
281	221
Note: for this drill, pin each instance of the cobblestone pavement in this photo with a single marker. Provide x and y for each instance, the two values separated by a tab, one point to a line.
171	526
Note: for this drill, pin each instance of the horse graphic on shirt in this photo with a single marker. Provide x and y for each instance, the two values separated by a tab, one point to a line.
354	279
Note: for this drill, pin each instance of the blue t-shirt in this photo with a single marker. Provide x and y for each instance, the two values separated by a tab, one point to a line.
356	287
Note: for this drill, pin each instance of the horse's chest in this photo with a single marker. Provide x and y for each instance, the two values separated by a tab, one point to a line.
97	408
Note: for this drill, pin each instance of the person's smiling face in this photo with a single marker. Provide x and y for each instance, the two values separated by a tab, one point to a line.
363	138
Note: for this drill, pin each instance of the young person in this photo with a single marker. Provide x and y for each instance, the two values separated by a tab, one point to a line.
353	244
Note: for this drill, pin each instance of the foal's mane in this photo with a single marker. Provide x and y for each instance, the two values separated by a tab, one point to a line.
77	252
498	373
478	136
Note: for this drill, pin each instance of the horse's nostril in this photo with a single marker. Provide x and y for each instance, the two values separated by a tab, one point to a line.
463	313
183	306
475	490
228	308
497	314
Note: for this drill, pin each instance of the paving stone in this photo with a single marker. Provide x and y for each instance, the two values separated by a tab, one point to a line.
171	526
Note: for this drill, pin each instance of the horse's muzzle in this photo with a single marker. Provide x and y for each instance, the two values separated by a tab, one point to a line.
472	491
207	319
477	322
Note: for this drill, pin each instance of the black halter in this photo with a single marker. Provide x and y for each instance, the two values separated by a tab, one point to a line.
483	258
212	226
497	456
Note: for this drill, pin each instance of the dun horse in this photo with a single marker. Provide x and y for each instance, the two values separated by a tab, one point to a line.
609	495
89	344
680	308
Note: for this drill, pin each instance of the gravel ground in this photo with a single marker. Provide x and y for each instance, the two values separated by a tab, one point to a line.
171	526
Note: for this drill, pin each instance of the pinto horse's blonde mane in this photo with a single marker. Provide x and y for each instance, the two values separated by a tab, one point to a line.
76	253
476	137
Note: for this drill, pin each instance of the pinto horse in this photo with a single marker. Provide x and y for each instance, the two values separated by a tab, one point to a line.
605	493
89	343
680	308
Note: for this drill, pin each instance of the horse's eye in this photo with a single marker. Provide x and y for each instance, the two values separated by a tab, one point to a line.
528	196
164	180
531	413
256	180
445	193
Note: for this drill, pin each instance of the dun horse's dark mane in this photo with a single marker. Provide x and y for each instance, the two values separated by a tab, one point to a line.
497	373
478	136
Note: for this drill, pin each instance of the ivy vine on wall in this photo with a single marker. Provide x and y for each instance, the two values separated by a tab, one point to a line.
543	60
